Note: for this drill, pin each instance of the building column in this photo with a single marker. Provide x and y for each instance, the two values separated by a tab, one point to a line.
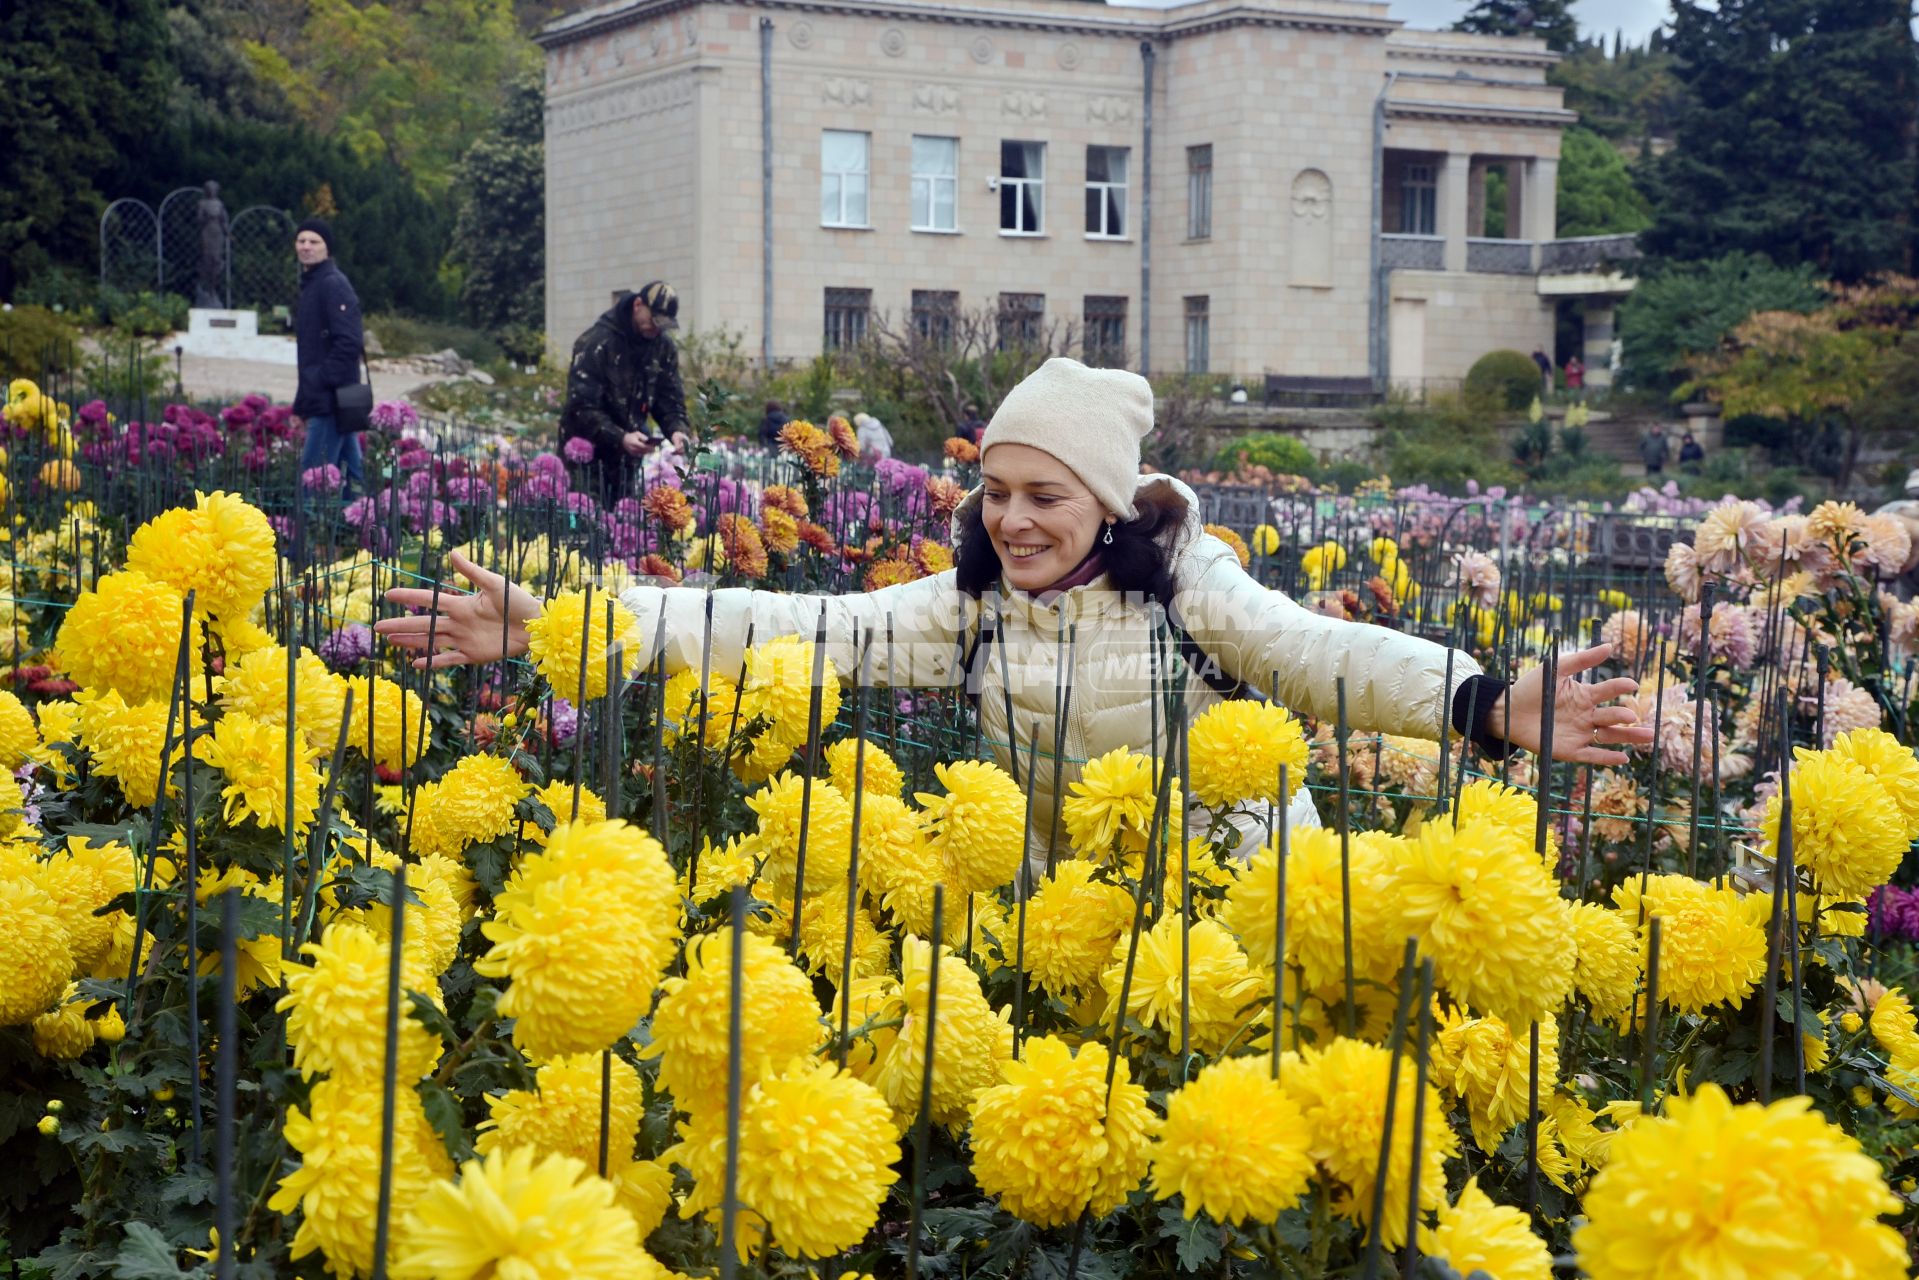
1454	207
1542	199
1518	199
1598	346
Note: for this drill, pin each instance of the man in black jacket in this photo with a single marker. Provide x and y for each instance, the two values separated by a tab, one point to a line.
625	370
329	341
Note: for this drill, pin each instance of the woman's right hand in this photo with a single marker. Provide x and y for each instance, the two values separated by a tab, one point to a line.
484	626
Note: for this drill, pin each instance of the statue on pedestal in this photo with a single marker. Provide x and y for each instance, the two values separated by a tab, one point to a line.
211	282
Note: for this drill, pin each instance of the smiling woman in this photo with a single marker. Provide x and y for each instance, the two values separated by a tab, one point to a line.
1072	568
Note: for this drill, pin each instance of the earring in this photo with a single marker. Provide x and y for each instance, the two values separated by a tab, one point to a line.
1108	539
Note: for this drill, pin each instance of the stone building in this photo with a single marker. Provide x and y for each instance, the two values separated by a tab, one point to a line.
1195	188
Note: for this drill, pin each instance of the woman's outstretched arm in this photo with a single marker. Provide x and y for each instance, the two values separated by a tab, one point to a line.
927	617
1395	683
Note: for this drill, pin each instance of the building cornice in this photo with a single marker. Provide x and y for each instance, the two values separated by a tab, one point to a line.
1484	55
592	22
1479	113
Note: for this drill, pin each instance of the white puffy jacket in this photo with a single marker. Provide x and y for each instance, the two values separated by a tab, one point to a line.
1395	683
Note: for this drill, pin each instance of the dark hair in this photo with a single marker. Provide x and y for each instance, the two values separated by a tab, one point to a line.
1137	560
774	406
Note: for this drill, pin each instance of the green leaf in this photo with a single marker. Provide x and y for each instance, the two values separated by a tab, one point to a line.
443	1112
1195	1239
192	1185
360	885
146	1255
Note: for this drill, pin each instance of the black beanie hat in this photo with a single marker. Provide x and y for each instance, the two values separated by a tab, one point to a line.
319	227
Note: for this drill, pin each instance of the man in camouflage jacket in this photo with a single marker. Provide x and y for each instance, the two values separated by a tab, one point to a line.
625	370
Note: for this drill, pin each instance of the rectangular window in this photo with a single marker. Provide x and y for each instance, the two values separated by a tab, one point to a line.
1106	192
1418	200
1199	192
1020	318
843	178
935	184
935	312
846	314
1022	188
1106	333
1199	334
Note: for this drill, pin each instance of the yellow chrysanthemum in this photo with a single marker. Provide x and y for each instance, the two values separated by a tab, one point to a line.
554	642
557	796
125	742
1474	1236
582	932
969	1039
516	1214
1713	1189
1050	1142
257	685
1893	1025
336	1188
1607	969
253	757
561	1116
1847	830
63	1032
828	826
680	710
124	635
1891	762
1712	946
432	935
1265	539
892	845
1315	929
336	1012
1342	1091
80	881
1073	922
1486	1065
779	687
1220	987
222	550
1484	908
1514	812
823	934
978	827
1233	1144
735	864
35	961
391	722
475	802
19	738
816	1157
1237	748
779	1020
1113	802
880	775
59	724
257	956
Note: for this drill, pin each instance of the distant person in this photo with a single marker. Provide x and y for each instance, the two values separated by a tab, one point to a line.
1575	375
1690	454
1906	511
626	370
1654	449
329	344
972	426
1545	363
770	424
874	440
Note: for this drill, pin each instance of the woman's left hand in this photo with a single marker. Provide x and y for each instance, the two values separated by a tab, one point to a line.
1588	726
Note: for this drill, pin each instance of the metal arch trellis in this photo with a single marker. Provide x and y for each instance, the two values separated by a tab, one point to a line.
261	270
130	246
180	241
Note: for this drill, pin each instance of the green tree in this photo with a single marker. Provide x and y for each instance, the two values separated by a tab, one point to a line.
1797	139
1551	20
1596	192
1626	98
84	80
1678	312
499	239
413	82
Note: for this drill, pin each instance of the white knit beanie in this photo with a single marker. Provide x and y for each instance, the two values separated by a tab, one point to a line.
1090	419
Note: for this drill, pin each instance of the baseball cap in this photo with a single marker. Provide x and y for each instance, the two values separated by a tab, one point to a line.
663	302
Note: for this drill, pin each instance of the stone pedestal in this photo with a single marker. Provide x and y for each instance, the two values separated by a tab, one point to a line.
218	334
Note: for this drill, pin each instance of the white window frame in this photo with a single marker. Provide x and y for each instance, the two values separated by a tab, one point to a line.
1419	192
935	182
841	177
1105	189
1019	184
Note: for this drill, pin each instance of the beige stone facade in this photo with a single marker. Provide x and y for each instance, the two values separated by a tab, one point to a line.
654	168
